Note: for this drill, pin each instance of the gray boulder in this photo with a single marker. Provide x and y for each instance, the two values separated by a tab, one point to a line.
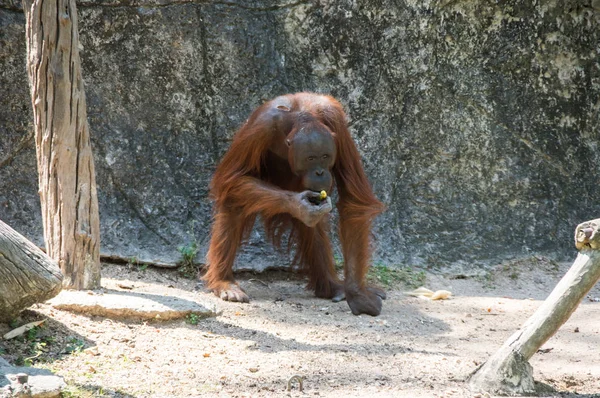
477	122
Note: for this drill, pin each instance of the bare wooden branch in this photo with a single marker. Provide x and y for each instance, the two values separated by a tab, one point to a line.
27	275
67	184
508	371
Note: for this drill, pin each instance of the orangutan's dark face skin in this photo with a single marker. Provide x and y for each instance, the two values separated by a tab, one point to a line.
312	156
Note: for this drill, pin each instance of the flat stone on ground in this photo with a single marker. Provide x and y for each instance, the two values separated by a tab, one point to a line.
117	304
41	382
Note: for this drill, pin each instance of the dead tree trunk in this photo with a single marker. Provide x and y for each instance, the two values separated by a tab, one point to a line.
67	182
27	275
508	371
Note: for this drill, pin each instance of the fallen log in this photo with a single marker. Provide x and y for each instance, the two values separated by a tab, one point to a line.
508	371
27	275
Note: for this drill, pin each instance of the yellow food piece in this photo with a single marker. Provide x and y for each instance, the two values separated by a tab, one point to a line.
323	195
426	293
441	295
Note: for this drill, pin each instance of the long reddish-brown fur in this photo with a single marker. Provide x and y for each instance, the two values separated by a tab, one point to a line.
251	180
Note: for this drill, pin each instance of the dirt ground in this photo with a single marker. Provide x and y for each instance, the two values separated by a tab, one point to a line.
415	348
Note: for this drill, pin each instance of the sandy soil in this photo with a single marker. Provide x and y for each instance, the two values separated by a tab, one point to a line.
415	348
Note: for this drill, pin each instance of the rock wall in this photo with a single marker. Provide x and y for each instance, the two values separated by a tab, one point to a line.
478	121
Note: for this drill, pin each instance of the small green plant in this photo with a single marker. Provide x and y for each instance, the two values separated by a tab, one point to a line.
74	346
32	333
389	276
135	262
187	267
35	345
48	340
192	319
188	252
36	348
488	279
511	269
339	263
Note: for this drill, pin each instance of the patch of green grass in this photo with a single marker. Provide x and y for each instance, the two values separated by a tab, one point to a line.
187	265
389	276
192	319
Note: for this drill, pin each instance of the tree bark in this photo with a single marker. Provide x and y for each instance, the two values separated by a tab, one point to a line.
67	182
27	275
508	371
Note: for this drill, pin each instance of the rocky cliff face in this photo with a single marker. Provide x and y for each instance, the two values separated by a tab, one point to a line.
478	121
